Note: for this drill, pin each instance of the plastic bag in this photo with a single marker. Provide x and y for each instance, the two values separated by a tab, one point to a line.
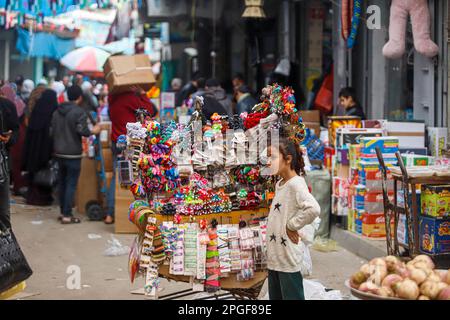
325	245
307	266
115	248
314	290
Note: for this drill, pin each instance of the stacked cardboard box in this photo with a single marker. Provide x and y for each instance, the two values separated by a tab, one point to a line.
311	119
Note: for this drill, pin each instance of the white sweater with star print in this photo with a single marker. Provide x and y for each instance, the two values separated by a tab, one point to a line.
293	207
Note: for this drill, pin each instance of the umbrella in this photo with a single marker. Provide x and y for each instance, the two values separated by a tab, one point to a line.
86	59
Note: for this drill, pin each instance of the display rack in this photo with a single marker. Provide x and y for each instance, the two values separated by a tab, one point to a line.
392	210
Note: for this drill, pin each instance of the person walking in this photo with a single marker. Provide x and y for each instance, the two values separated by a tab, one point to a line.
293	208
69	124
9	131
38	147
18	181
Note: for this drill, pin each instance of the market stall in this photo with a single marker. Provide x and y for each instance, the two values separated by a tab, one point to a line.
202	199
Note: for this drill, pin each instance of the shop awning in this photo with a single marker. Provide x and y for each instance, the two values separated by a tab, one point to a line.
43	44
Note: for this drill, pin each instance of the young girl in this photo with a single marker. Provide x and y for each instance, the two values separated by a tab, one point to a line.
293	208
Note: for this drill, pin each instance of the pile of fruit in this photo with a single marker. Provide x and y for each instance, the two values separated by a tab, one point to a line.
415	280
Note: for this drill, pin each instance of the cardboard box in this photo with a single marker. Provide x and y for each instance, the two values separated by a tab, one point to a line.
343	171
434	235
122	204
348	136
386	145
376	124
416	151
373	225
410	134
310	116
121	72
412	160
437	140
313	126
435	200
87	188
341	122
402	230
108	160
105	134
342	157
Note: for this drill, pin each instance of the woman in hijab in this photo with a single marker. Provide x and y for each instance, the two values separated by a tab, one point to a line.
27	89
39	146
9	91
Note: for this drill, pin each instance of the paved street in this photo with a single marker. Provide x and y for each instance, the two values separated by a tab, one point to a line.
51	248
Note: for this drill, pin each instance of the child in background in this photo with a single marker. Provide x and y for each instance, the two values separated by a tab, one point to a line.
292	209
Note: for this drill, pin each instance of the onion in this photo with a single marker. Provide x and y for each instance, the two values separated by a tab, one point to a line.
422	297
434	277
365	268
380	272
384	292
392	262
418	275
426	259
423	266
444	294
359	278
403	272
378	262
391	280
432	289
368	287
407	289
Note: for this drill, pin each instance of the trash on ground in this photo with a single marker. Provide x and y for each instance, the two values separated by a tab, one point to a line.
115	248
314	290
325	245
94	236
37	222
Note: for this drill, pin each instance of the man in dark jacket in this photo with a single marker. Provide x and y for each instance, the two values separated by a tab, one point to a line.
69	125
214	90
9	132
245	100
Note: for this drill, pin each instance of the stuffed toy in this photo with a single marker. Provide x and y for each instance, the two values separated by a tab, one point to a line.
420	19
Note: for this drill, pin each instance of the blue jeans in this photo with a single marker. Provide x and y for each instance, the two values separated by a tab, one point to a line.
69	172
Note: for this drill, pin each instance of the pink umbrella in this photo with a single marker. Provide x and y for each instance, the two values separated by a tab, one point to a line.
86	59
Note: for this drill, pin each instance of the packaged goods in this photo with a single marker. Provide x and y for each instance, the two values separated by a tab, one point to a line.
435	200
434	235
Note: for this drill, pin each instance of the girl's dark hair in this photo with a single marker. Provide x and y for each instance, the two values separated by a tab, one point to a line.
289	148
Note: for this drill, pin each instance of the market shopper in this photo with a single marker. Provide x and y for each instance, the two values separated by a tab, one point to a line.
38	147
188	89
10	92
293	208
347	98
122	110
245	100
213	89
9	131
69	125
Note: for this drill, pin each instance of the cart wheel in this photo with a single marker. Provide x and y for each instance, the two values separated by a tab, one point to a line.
94	211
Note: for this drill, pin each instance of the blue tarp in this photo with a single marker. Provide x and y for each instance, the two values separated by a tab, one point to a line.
42	44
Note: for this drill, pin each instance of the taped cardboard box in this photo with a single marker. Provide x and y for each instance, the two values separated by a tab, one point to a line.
123	72
105	134
87	189
310	116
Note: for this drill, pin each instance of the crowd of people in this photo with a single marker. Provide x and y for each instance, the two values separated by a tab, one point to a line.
216	99
43	124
